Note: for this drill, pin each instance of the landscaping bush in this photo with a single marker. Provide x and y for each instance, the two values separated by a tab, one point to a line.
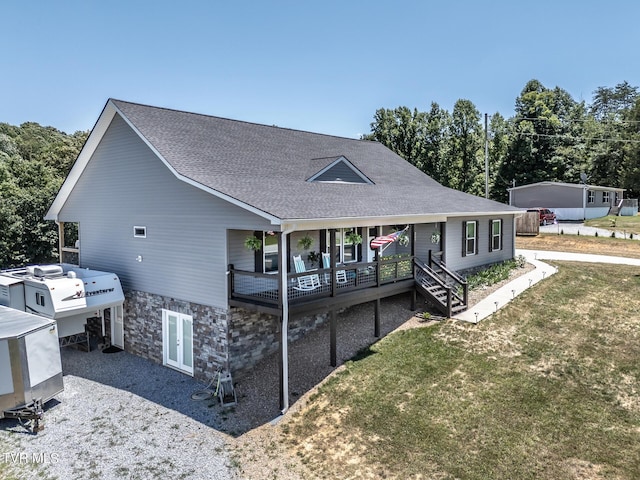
495	273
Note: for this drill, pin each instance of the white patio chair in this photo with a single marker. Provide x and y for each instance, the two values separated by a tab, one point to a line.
341	275
305	282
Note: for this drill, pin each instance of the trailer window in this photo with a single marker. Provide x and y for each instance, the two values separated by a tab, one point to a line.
39	299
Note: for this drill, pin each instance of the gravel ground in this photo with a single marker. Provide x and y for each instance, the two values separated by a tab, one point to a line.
121	416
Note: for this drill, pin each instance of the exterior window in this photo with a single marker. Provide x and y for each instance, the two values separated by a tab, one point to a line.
470	237
346	251
269	252
592	197
605	197
39	299
140	232
496	235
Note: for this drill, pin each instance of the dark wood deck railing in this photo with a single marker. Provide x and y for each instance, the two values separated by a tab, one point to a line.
261	288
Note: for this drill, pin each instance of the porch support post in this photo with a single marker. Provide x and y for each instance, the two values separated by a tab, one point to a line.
60	240
376	322
283	296
281	369
332	260
412	229
333	357
377	257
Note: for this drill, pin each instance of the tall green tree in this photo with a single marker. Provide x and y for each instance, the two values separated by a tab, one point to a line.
34	161
631	165
466	148
435	162
402	130
499	139
610	109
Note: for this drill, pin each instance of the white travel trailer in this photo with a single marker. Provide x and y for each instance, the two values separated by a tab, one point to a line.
68	294
30	365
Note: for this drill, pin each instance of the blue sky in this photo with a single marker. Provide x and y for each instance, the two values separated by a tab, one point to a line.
323	66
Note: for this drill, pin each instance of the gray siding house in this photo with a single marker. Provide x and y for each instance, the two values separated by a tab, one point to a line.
570	201
167	200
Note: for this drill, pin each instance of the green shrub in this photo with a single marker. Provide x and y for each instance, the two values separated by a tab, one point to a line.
493	274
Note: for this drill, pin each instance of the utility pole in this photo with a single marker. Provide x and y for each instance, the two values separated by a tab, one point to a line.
486	156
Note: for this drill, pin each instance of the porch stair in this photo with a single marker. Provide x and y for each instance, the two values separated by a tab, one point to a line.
446	290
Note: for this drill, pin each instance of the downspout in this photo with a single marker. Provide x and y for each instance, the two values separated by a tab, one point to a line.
584	201
284	284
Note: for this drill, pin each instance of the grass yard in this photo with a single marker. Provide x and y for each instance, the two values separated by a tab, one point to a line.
581	244
613	222
548	388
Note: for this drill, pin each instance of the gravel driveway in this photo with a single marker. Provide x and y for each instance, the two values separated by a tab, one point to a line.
121	416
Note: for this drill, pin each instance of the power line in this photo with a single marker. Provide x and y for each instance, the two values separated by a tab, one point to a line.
569	137
564	120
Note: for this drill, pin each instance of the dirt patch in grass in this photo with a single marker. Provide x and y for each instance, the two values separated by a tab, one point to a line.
581	244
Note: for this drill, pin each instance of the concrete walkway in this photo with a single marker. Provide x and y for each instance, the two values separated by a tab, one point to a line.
508	292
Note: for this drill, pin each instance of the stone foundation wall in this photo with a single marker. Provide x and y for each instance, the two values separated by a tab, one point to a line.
236	339
143	330
257	335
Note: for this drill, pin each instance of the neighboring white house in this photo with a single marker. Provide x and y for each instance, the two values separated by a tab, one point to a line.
572	201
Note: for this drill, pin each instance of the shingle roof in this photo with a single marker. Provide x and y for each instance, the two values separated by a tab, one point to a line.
266	167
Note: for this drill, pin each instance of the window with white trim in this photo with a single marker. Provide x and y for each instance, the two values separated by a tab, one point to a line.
346	250
605	197
496	235
471	238
591	196
269	252
140	232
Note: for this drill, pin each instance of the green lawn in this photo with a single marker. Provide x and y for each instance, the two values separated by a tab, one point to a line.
611	222
548	388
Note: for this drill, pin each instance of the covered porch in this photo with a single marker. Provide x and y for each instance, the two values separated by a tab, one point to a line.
342	269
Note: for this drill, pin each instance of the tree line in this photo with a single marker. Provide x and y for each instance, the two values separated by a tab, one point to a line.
550	137
34	161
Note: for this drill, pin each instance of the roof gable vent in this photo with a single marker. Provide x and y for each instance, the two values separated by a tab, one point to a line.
340	170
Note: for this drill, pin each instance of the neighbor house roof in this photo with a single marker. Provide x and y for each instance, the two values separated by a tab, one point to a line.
271	170
568	185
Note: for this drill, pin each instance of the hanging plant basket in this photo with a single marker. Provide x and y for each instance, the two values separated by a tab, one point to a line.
353	238
403	239
305	242
253	243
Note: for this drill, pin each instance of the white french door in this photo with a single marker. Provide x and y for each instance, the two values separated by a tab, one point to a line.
177	340
117	326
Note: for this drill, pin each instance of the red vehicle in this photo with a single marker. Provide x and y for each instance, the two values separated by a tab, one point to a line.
547	217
